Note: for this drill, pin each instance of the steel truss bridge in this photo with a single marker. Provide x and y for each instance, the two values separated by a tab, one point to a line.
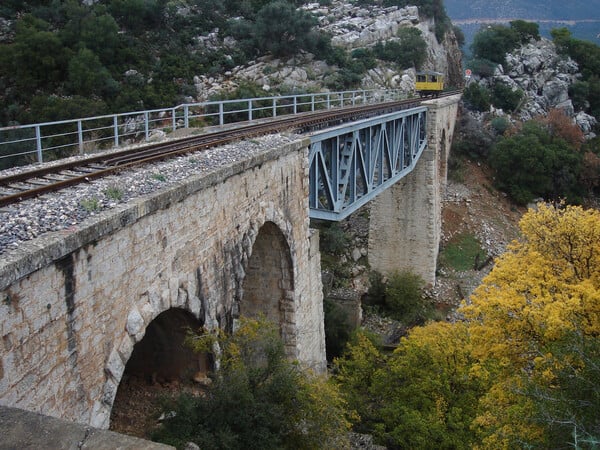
351	164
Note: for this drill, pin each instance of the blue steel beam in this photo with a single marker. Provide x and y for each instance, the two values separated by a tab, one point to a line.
350	164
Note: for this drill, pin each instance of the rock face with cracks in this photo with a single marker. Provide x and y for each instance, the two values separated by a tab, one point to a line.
351	26
544	76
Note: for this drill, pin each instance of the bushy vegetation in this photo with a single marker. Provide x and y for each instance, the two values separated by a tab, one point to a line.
400	296
337	329
117	55
506	98
493	42
477	97
408	51
538	161
259	399
586	92
521	371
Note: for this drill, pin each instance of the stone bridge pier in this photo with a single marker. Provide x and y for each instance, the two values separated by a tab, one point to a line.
405	222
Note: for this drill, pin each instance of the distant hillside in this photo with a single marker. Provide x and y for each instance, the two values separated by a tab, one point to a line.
581	17
523	9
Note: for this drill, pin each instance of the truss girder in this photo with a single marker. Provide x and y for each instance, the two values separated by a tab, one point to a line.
352	163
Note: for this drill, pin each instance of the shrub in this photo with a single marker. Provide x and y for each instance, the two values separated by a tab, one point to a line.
534	163
477	97
408	51
333	239
337	329
375	295
482	67
526	30
500	125
283	30
493	42
404	300
506	98
259	399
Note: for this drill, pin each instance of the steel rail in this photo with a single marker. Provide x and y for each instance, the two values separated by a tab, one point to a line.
102	165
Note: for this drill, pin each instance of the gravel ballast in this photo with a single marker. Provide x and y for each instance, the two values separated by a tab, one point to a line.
63	209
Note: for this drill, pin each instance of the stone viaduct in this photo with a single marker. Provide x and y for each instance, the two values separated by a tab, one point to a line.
115	294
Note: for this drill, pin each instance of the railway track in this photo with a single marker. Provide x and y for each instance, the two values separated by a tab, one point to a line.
32	183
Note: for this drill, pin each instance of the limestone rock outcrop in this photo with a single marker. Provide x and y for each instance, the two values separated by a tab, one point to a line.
351	26
544	76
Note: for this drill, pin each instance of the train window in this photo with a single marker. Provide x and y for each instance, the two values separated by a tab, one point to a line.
421	78
433	79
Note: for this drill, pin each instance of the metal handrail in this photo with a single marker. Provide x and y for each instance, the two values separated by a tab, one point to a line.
30	143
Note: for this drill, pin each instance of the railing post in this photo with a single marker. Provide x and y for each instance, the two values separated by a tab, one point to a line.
221	113
249	110
174	122
146	126
274	107
80	136
353	98
312	102
116	129
364	94
186	117
328	103
38	140
295	104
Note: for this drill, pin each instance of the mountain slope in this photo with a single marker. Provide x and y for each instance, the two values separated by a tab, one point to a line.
581	17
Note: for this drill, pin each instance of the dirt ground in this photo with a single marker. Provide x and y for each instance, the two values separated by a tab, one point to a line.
473	206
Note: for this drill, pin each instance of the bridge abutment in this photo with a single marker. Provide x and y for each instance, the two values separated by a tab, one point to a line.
405	222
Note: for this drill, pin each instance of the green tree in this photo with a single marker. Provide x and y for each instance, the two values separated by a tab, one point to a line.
404	299
506	98
137	15
477	97
494	42
87	76
423	396
38	58
283	30
413	47
408	51
533	164
526	30
355	372
259	399
428	390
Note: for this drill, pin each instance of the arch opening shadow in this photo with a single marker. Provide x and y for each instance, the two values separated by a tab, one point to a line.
160	365
268	287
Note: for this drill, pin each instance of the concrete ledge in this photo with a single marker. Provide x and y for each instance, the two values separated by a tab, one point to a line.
37	253
442	102
24	430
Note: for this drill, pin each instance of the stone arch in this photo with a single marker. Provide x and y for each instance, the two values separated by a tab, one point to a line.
160	360
268	286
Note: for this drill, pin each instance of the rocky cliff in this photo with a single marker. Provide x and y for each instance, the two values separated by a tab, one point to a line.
545	78
351	26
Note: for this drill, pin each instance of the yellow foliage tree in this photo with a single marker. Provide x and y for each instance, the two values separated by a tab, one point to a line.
543	290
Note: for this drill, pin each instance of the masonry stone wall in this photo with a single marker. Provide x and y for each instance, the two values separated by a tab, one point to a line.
405	221
74	303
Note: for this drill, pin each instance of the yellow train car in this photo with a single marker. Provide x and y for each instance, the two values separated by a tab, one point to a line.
429	83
